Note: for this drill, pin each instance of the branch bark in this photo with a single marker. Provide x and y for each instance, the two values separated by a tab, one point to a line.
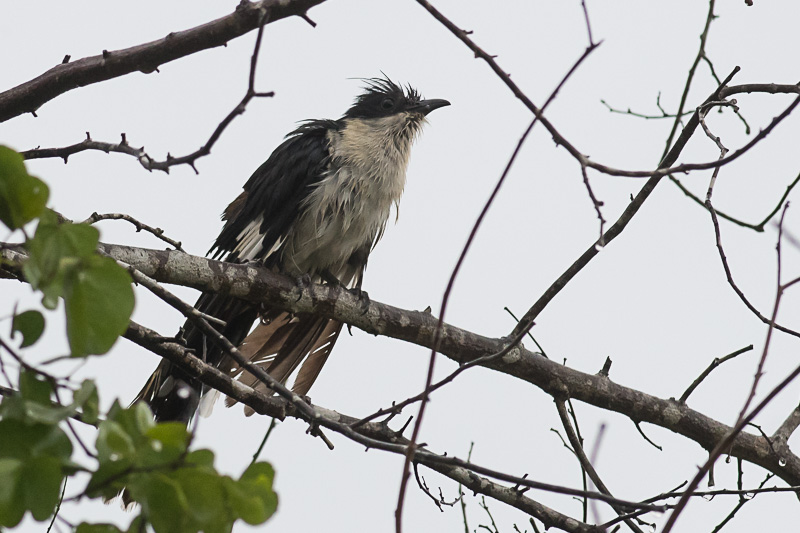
29	96
418	327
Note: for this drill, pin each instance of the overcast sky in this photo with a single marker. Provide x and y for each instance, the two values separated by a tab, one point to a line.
655	300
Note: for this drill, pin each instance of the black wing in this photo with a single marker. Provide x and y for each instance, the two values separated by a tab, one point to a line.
276	189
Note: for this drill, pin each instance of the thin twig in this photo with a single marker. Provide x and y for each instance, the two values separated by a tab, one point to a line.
778	294
561	407
29	96
645	437
272	425
622	222
714	364
756	227
454	274
541	350
732	283
632	113
144	159
158	232
461	493
725	444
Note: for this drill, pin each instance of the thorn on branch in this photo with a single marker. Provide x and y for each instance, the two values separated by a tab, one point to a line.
305	17
645	437
606	368
106	54
66	59
405	426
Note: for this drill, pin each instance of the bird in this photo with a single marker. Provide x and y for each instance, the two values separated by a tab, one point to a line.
314	210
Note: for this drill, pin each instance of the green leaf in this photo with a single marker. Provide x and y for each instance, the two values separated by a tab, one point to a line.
165	504
22	196
21	440
41	480
142	418
87	399
252	497
34	387
114	443
55	249
164	444
205	496
171	435
34	404
202	458
98	301
30	324
11	502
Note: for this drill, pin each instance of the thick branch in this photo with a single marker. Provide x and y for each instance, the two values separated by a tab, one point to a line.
29	96
259	285
373	434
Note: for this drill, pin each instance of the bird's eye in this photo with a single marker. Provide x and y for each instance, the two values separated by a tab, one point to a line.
387	103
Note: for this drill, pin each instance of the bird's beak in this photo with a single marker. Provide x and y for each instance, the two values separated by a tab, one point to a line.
426	106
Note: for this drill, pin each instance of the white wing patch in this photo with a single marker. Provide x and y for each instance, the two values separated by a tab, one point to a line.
250	242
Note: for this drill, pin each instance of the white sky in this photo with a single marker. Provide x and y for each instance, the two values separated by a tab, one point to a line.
655	300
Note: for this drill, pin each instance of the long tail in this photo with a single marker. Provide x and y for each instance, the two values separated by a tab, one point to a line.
170	392
280	343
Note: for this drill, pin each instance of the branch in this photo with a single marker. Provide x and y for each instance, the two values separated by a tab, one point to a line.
756	227
586	464
580	156
371	434
257	284
144	159
714	364
157	232
29	96
622	222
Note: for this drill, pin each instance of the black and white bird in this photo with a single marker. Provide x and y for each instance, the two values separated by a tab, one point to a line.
314	209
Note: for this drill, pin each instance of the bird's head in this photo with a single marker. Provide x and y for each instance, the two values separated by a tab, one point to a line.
388	112
384	98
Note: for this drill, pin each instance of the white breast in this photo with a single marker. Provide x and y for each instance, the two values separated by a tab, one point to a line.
348	209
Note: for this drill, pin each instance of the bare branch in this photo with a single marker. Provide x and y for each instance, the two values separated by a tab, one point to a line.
732	283
454	274
158	232
577	447
757	227
144	159
373	435
714	364
29	96
619	226
782	434
257	285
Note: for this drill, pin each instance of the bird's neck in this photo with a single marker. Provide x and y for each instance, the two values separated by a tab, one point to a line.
379	147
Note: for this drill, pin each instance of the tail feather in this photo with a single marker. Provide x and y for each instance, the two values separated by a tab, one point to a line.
171	393
317	358
281	343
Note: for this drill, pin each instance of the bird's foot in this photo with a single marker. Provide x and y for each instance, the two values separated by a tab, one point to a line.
302	283
363	298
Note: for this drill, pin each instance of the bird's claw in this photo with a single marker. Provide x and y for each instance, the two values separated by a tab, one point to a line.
302	283
363	299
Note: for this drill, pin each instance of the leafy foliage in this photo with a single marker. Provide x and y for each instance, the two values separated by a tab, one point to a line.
97	292
30	324
178	489
22	196
35	453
